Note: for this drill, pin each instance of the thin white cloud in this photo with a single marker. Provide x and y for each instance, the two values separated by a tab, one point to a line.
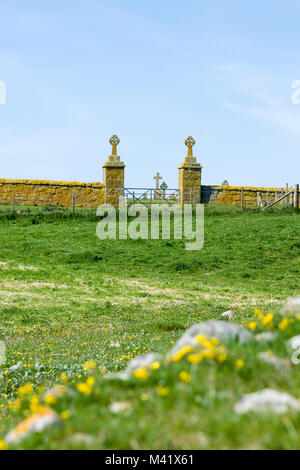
286	120
262	98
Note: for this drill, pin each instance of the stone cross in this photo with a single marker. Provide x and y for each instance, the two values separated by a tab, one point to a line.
190	142
157	177
114	141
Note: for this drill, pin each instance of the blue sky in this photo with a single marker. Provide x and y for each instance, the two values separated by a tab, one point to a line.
153	72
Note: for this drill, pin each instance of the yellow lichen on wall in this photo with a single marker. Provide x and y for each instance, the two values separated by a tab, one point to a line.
252	195
44	193
190	183
113	175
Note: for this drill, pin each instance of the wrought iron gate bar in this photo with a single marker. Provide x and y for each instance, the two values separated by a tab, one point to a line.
155	194
148	189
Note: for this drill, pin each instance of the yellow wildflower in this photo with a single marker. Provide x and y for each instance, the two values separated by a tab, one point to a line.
34	404
15	405
222	356
26	389
258	313
91	364
90	381
267	320
64	377
204	341
200	338
185	377
65	414
87	386
195	358
181	353
252	325
210	353
84	388
50	399
140	373
283	324
240	363
155	365
214	341
3	445
163	391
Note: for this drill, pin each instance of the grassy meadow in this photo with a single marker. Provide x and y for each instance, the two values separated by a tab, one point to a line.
73	307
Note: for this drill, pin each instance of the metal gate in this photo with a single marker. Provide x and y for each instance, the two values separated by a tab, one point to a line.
148	196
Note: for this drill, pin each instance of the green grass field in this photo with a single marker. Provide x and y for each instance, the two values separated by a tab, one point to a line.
66	298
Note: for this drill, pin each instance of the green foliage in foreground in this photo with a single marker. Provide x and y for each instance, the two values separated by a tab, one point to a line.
163	408
67	297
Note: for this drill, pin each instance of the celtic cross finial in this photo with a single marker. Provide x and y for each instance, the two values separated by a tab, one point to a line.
190	142
114	141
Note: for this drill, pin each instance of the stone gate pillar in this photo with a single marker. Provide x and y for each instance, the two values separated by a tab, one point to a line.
190	177
113	175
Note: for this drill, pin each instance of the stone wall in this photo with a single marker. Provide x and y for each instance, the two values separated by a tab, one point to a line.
113	176
44	193
232	195
189	183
